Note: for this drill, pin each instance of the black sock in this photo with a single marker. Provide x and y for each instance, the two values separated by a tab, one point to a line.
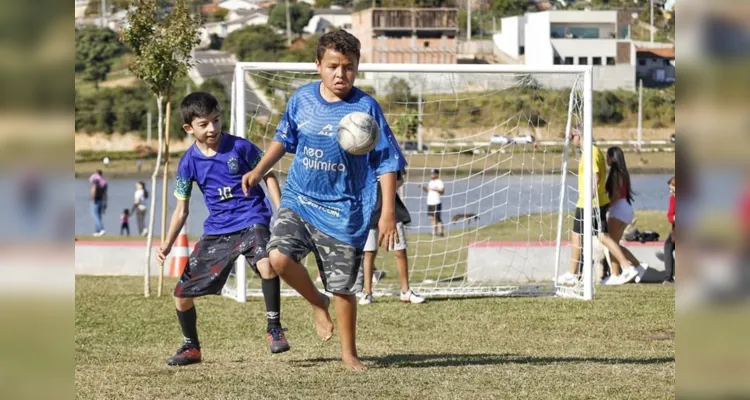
188	322
272	296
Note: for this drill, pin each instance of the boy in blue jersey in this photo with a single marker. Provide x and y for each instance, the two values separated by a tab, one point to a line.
330	195
237	224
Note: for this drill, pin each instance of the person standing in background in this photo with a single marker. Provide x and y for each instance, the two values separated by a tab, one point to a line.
98	194
125	222
669	244
140	197
434	189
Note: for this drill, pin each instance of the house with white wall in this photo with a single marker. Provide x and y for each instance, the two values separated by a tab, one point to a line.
240	18
598	38
232	5
325	19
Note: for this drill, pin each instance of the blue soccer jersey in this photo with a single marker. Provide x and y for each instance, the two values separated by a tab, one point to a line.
329	188
219	177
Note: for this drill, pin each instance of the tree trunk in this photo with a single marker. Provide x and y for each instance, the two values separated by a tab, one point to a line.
165	185
152	215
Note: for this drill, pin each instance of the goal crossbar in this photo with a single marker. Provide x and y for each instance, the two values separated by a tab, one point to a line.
422	68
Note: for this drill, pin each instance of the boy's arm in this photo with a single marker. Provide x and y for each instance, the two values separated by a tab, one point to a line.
274	191
273	154
441	188
179	216
387	222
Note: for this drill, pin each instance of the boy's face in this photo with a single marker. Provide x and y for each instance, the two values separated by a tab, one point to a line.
337	71
205	129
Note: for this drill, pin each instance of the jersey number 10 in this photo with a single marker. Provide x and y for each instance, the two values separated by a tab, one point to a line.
225	192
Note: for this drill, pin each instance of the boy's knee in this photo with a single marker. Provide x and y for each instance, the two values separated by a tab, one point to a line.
265	270
183	303
400	254
279	261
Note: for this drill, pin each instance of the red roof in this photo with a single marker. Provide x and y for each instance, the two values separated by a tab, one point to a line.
667	53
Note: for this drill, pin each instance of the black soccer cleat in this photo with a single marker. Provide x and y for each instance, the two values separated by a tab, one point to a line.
186	355
277	340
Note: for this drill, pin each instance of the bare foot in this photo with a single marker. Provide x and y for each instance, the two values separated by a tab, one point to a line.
353	363
323	323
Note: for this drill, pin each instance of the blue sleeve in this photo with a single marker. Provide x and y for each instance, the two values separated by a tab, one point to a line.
250	153
183	184
286	131
387	156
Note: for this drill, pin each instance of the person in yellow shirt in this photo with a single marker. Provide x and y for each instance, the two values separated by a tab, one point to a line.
600	201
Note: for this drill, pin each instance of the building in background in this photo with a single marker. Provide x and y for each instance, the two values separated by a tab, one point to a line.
656	66
236	19
326	19
598	38
407	35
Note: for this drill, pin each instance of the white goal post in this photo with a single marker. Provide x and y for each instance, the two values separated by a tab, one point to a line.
502	186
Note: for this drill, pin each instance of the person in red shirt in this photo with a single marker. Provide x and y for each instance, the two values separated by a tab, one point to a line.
669	244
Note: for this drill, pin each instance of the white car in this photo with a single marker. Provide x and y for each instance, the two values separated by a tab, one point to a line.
524	139
499	139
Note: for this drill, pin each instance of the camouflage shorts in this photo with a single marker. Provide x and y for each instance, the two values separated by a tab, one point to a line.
213	259
338	262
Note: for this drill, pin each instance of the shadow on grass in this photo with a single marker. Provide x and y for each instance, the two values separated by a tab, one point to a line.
457	360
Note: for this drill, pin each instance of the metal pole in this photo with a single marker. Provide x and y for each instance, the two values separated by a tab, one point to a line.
288	25
104	13
588	187
239	116
148	128
652	21
640	114
419	118
468	20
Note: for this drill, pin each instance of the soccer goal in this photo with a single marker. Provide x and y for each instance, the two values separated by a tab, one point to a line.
500	136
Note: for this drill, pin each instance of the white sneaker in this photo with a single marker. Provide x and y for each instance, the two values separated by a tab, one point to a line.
411	297
629	274
605	280
568	279
366	299
318	279
144	232
641	272
615	280
100	233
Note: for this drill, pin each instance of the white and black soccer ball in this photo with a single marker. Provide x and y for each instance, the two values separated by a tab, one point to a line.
358	133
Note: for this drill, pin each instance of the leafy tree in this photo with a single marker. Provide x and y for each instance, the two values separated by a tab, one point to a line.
219	15
162	44
399	91
95	49
255	43
94	7
508	8
407	125
305	53
299	13
323	3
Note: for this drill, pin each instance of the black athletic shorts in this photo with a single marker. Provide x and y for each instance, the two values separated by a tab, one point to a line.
578	223
214	256
435	210
338	262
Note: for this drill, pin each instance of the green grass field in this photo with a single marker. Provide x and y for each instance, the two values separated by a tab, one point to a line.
620	345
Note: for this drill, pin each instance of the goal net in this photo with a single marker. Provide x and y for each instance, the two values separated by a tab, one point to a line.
500	137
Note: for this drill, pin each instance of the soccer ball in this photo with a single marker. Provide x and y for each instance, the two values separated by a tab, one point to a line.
358	133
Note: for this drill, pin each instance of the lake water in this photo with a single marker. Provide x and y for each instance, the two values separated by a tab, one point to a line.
492	198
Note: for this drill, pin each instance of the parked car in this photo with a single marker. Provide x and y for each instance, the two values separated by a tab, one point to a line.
499	139
413	146
524	139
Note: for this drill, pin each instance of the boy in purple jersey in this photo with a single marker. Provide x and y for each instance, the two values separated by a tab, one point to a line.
237	224
330	195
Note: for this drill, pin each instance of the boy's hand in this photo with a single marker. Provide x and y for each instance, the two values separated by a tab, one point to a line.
387	228
249	180
163	252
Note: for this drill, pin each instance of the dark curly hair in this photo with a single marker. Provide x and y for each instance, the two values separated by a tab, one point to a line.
341	41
